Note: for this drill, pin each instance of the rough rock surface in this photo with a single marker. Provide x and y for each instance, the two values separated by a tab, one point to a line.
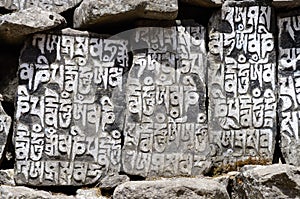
111	182
7	177
182	188
262	182
206	3
57	6
5	123
94	12
16	26
29	193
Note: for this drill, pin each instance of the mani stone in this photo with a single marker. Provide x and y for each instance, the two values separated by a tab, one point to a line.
179	188
166	128
16	26
68	117
5	122
242	83
95	12
289	85
56	6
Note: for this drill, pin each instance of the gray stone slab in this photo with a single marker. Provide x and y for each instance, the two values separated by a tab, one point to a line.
289	79
166	126
94	12
179	188
242	83
286	3
57	6
5	123
16	26
68	129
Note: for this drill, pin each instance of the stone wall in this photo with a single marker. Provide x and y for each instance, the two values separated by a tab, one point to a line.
107	99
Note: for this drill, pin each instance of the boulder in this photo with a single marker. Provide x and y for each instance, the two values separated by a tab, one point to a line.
57	6
94	12
7	177
171	188
112	181
273	181
16	26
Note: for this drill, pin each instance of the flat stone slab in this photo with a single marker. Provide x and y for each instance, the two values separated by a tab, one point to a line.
180	188
17	26
5	123
242	83
56	6
94	12
166	125
289	79
68	116
286	3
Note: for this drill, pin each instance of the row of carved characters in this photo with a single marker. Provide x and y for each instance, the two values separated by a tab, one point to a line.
245	111
242	143
249	35
58	111
58	172
166	137
180	40
51	5
106	60
155	164
36	144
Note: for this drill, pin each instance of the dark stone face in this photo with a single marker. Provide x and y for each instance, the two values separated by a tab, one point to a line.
5	122
242	84
166	125
289	78
66	131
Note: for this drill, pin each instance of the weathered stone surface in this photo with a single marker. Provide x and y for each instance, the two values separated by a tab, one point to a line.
206	3
286	3
14	27
289	78
180	188
242	83
94	12
57	6
274	181
93	193
111	182
69	108
25	192
166	127
5	122
7	177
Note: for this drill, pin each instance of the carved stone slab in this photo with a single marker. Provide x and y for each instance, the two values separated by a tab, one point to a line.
166	127
289	82
242	83
68	119
5	122
57	6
